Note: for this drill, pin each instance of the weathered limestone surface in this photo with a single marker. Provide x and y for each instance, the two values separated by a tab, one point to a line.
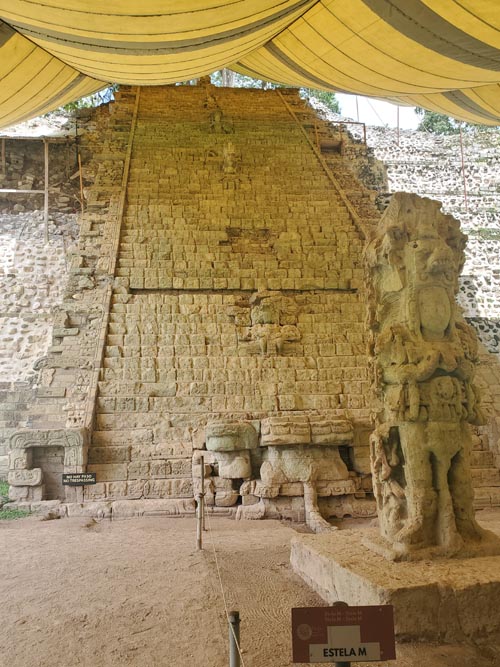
439	600
61	395
424	362
237	302
232	292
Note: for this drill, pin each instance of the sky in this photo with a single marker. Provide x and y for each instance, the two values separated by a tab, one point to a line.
376	112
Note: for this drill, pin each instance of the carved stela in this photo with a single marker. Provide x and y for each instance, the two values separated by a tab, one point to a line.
424	355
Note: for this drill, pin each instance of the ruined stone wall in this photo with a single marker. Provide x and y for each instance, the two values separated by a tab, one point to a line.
25	170
58	410
431	166
32	277
33	271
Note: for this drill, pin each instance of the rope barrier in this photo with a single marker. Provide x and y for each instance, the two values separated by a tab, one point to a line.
224	600
214	591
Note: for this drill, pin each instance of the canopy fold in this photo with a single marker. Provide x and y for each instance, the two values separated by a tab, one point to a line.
440	54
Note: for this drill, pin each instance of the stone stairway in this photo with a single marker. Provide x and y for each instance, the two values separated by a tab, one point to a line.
225	202
485	476
233	244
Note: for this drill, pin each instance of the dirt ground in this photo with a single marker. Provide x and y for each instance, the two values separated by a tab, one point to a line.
137	592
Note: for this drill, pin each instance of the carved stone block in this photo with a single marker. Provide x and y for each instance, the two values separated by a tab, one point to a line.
226	498
19	477
18	493
234	465
19	459
424	357
328	432
285	431
230	436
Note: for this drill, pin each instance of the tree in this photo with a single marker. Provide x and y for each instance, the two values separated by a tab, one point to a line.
227	77
326	97
95	100
436	123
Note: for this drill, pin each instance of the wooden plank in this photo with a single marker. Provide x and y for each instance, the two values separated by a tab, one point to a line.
36	192
53	140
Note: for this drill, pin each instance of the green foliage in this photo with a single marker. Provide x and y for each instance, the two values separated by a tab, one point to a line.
324	96
7	514
437	123
235	80
228	77
95	100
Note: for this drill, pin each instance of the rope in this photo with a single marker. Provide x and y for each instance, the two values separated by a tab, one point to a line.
222	588
222	633
375	112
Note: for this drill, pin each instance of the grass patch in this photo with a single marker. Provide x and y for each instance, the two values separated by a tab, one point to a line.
14	513
9	513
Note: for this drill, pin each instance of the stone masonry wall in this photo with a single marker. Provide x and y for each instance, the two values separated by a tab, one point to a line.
57	408
227	209
219	299
32	277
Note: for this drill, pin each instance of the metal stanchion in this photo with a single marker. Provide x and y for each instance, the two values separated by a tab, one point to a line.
339	603
200	508
234	639
198	523
202	463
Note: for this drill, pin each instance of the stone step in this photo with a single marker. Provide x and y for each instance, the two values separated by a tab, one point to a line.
485	477
482	459
124	436
486	496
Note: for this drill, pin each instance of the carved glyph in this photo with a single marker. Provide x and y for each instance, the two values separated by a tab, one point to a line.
31	477
229	436
272	324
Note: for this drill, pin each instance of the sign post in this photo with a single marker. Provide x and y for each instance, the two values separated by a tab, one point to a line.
343	634
339	603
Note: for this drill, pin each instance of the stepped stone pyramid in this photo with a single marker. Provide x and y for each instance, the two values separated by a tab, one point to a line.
216	308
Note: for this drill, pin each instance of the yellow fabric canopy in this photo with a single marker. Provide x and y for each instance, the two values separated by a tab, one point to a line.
439	54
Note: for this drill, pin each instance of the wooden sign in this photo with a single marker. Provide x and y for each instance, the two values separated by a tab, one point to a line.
343	634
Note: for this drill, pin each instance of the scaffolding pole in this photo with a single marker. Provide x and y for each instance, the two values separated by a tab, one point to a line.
463	170
46	190
398	123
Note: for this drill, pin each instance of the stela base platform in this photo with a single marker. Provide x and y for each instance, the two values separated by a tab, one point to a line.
444	599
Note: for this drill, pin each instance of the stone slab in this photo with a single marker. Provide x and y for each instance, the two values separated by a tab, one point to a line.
440	600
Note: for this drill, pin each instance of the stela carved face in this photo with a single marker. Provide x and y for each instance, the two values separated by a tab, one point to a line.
432	260
431	272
